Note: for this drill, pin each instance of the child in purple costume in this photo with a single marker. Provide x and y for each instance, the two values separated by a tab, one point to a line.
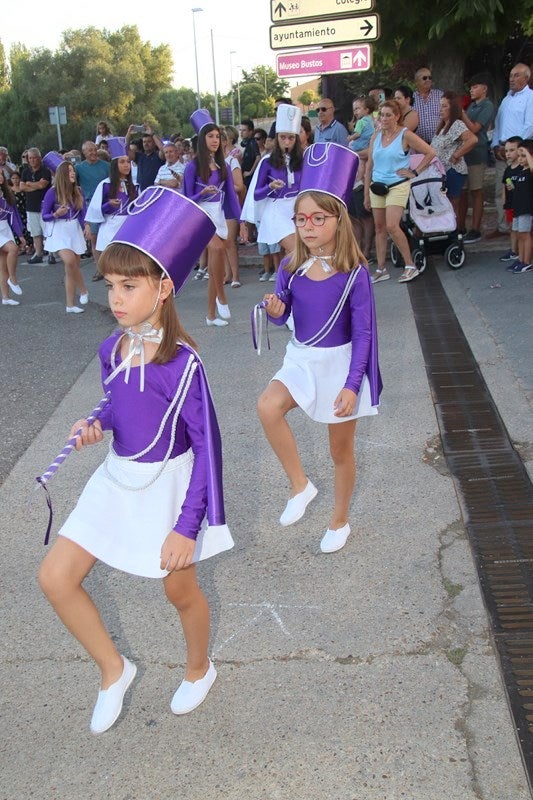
330	368
142	511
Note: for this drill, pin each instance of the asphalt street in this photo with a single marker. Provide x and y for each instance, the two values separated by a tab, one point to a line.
364	675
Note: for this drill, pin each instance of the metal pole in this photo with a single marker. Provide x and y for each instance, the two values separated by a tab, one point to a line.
194	10
217	119
239	98
232	52
59	140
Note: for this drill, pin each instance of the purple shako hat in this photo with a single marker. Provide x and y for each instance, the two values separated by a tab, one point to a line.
117	146
200	118
169	228
331	168
52	160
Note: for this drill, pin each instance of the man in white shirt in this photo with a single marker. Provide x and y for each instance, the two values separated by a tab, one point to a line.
514	118
171	173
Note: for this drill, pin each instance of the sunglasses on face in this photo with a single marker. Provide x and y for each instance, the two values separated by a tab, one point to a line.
324	108
427	77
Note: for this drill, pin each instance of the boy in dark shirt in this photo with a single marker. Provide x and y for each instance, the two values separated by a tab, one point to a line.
522	199
511	173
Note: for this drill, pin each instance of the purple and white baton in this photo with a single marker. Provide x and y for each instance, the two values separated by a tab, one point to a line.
58	460
257	321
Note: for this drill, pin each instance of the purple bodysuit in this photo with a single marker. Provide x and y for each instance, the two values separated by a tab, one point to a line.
269	173
312	303
135	417
51	204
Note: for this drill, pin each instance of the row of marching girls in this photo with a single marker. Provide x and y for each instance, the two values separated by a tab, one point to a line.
143	509
10	226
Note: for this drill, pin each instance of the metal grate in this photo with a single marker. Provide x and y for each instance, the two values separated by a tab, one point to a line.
495	493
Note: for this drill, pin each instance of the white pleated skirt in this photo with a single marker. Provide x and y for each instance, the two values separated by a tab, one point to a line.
314	377
6	234
276	220
65	234
126	528
108	229
216	212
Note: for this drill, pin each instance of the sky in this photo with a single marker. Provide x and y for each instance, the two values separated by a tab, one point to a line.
243	28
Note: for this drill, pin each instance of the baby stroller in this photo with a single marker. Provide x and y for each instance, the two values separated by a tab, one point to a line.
429	220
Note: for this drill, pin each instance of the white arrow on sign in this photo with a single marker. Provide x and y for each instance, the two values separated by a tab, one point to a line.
359	58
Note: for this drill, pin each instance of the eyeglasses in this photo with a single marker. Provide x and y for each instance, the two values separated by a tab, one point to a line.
324	108
427	77
317	219
258	138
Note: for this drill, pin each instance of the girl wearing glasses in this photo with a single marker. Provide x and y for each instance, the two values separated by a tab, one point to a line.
330	368
278	181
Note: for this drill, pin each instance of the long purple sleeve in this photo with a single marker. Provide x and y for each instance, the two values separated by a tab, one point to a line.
193	186
269	173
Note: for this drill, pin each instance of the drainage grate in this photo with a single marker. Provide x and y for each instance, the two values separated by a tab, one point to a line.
494	490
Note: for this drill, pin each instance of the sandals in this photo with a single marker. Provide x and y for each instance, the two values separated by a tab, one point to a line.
409	274
380	275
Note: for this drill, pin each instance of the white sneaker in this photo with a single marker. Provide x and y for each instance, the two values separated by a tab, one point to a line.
15	288
295	508
190	694
109	702
265	276
273	278
223	310
334	540
7	301
84	298
74	310
219	323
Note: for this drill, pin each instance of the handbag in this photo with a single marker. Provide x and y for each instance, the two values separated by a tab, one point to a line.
381	189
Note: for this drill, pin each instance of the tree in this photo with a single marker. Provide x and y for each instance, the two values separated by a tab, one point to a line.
308	97
267	78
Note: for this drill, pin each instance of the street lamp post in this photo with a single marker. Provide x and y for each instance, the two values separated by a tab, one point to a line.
194	12
232	53
217	119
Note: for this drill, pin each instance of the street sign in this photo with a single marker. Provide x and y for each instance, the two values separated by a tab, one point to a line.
364	28
287	10
57	115
324	62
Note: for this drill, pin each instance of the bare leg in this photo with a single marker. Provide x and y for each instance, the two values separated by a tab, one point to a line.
477	209
182	590
216	254
38	245
12	255
62	572
341	445
462	211
381	236
4	275
393	215
272	406
289	243
232	254
73	276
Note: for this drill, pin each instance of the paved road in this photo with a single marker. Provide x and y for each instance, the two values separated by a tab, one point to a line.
367	675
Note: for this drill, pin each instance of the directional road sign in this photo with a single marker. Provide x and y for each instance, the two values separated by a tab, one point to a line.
364	28
324	62
287	10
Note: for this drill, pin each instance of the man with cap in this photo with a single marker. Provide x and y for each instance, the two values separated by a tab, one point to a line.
478	118
329	129
34	181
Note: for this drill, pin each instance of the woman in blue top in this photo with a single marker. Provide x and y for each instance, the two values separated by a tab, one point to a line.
387	185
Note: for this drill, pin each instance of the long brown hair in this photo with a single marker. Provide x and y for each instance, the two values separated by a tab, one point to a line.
456	112
202	157
67	193
7	192
348	254
125	260
115	180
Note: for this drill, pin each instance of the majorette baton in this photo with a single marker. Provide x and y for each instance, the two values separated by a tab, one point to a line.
257	321
58	460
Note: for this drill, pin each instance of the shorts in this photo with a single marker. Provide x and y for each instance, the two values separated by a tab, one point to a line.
265	249
476	173
522	223
397	196
356	204
454	182
95	227
35	223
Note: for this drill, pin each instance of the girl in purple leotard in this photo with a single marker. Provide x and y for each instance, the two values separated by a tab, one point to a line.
143	509
330	368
